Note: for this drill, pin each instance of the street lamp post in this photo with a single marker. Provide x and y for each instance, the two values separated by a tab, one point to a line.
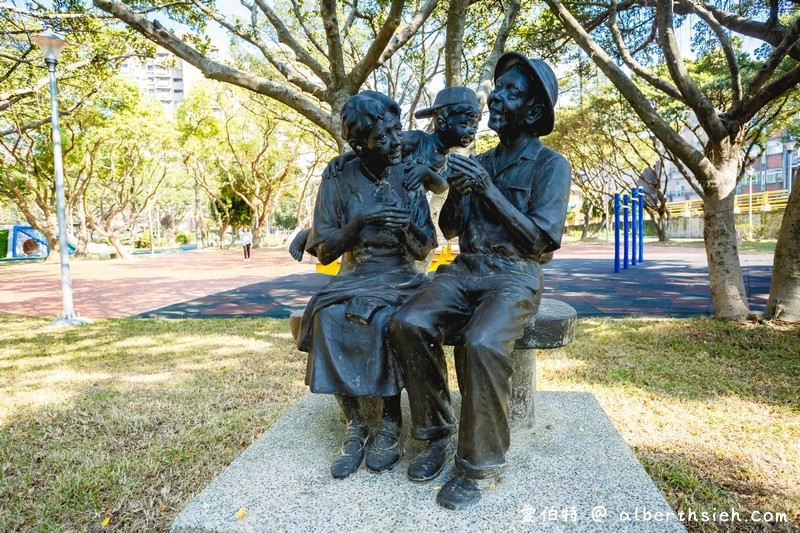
51	45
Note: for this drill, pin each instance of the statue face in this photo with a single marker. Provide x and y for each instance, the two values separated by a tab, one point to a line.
509	103
459	130
385	141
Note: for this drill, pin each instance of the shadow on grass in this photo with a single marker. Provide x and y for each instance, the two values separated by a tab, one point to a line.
693	487
127	419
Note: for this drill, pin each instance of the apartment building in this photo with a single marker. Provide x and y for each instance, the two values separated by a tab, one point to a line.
772	170
161	77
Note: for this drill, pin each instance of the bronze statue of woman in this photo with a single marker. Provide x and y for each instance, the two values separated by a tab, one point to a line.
379	227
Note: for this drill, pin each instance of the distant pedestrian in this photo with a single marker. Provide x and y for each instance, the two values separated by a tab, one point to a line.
247	241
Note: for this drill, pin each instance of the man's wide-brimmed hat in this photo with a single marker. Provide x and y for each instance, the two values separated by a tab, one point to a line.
541	74
450	96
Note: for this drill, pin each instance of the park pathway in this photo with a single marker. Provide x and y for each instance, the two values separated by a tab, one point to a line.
672	282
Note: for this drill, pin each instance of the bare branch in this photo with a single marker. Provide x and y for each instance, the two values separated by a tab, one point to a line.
485	82
772	34
768	67
310	36
285	37
215	70
693	97
638	101
727	49
752	104
253	38
634	65
375	53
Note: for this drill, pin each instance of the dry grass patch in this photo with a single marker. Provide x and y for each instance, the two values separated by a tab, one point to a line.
712	409
127	419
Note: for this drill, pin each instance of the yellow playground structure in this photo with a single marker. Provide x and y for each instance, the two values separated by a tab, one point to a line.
443	255
760	201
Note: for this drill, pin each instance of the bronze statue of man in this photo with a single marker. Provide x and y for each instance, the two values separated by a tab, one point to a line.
507	208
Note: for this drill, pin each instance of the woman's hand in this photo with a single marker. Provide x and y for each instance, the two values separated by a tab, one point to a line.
385	215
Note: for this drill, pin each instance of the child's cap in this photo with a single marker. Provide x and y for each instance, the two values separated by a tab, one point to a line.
450	96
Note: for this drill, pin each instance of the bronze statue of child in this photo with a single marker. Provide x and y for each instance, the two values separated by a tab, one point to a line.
379	226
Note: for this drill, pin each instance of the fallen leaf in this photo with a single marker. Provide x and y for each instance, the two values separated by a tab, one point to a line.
105	522
241	513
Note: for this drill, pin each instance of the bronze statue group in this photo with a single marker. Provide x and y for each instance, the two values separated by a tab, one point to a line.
379	325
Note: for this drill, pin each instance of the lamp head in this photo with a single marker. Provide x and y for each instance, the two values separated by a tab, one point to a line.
50	43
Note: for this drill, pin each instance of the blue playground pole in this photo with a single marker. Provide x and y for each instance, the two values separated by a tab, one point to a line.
634	224
625	224
616	232
641	226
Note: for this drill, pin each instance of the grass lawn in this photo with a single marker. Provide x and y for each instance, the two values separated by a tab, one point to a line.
119	423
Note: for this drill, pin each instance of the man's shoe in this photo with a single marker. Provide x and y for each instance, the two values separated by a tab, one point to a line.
352	453
432	459
386	447
462	492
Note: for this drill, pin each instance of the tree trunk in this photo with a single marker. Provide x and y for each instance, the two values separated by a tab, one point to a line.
586	221
82	248
122	253
662	227
50	230
784	294
724	269
454	42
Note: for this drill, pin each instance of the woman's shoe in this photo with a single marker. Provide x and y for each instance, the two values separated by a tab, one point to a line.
352	453
386	447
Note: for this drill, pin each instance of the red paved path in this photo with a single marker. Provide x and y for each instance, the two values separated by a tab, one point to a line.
673	281
115	289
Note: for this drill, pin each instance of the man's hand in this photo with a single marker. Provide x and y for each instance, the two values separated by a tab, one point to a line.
469	175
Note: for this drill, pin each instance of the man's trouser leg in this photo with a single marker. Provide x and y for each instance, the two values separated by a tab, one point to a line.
484	367
417	332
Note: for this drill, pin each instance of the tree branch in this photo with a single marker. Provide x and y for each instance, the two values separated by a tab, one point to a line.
778	53
744	26
215	70
638	101
285	37
634	65
330	23
300	18
253	38
727	49
375	53
693	97
486	81
748	108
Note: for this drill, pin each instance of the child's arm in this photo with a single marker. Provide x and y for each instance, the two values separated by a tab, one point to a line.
418	174
298	246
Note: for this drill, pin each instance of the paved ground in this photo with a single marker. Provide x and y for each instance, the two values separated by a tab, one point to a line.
672	281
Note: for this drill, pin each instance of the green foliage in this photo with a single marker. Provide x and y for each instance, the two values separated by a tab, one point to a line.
181	237
757	233
285	215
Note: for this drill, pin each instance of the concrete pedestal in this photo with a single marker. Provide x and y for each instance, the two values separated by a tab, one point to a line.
570	472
